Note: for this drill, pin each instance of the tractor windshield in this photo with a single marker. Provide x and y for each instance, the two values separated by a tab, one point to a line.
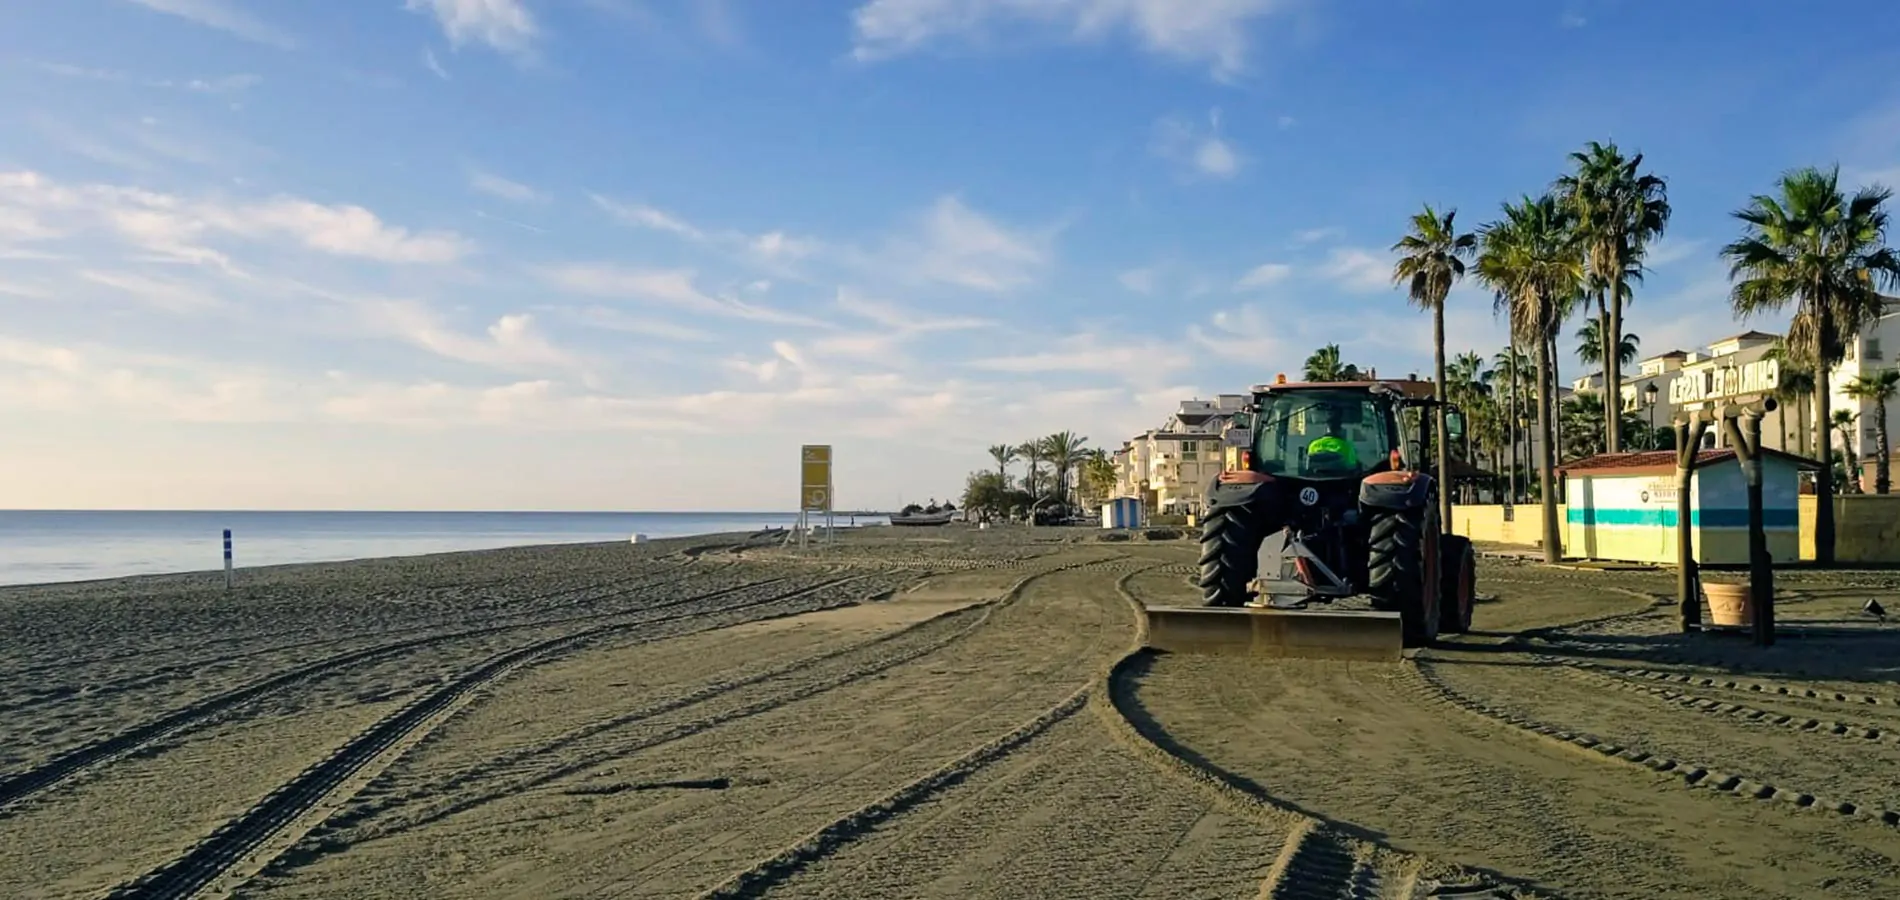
1321	434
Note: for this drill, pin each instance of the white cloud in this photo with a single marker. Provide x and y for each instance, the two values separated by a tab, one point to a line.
497	186
505	25
224	16
1666	250
174	227
434	65
958	246
344	230
609	319
647	217
1088	353
1246	335
162	294
671	287
1211	32
1315	235
777	245
1141	281
511	342
1262	275
1203	151
1359	270
218	84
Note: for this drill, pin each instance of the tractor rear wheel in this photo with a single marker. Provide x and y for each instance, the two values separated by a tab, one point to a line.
1458	584
1230	556
1401	570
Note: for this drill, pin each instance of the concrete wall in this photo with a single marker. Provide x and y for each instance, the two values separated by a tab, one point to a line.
1486	523
1867	528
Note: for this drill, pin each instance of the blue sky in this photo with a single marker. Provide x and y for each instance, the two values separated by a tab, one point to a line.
628	254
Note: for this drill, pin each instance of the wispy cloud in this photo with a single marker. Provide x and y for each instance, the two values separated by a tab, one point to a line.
1202	151
1208	32
496	186
211	84
177	227
670	287
643	216
1263	275
1315	235
505	25
434	65
956	245
1357	269
223	15
512	342
1141	281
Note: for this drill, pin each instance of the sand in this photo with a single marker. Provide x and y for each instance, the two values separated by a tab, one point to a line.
944	713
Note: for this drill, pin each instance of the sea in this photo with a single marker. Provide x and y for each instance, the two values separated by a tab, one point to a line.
45	546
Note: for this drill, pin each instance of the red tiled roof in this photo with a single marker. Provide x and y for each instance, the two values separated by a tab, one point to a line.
1652	460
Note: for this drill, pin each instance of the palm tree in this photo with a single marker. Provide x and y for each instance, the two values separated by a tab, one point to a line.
1325	365
1617	213
1464	384
1031	451
1512	366
1877	388
1826	252
1590	353
1794	383
1529	261
1004	454
1063	450
1844	422
1590	345
1432	260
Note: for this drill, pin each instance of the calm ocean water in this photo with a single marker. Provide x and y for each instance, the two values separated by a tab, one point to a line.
38	546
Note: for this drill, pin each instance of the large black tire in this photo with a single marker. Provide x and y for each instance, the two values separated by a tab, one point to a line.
1396	570
1458	585
1230	556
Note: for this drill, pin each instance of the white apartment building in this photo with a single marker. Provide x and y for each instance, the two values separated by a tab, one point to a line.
1169	467
1865	355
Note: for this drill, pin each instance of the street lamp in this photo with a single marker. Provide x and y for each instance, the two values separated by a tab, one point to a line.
1649	398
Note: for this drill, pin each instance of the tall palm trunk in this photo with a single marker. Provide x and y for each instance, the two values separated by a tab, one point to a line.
1880	436
1824	479
1553	547
1440	448
1556	401
1613	369
1605	350
1510	421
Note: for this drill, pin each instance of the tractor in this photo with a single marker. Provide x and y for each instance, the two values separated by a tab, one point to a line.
1362	566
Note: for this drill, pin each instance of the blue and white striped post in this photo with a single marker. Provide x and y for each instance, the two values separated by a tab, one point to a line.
227	559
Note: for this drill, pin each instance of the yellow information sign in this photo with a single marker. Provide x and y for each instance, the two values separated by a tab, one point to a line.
814	477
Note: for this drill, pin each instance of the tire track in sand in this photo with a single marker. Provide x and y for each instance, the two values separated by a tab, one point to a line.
1067	806
787	770
50	774
233	844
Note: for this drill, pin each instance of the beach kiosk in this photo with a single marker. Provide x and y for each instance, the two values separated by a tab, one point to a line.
1622	507
1122	512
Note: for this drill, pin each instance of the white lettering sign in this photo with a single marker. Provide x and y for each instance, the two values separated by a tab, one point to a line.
1720	382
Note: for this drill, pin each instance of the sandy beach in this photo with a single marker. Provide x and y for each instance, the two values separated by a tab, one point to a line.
950	713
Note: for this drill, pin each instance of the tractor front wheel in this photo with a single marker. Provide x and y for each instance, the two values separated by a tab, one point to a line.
1230	550
1401	570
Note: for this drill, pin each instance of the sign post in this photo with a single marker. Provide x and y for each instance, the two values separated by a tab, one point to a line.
814	487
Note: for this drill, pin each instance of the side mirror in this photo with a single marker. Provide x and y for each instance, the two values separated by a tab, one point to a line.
1454	426
1241	420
